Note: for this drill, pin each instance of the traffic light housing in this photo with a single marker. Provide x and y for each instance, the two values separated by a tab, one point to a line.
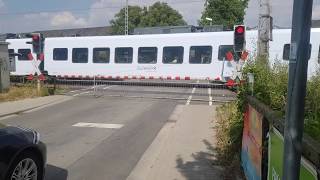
37	42
239	38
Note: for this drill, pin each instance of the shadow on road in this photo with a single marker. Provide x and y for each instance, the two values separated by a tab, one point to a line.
55	173
203	167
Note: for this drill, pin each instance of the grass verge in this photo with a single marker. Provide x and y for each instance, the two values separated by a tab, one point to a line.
19	92
229	137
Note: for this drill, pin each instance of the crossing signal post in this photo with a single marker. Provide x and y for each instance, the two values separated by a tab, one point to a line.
38	49
37	43
239	38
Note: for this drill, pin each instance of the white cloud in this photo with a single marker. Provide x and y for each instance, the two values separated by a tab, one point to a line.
67	19
37	15
102	11
2	4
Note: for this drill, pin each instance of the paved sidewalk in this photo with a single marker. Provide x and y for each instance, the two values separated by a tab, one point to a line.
15	107
184	148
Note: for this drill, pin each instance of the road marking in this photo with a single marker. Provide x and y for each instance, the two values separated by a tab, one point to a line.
81	90
99	125
190	97
193	90
210	97
81	93
108	87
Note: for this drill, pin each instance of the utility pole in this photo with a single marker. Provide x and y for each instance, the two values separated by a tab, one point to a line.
298	68
126	19
264	28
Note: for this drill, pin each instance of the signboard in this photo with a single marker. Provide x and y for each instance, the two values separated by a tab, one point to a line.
307	171
251	153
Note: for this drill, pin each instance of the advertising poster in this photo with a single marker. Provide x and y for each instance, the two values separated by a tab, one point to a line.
307	171
251	153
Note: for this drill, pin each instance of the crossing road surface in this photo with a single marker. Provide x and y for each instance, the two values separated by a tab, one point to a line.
189	95
90	137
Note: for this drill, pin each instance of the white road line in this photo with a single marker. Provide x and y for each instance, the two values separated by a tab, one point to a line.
210	97
81	89
108	87
193	90
189	100
81	93
190	97
99	125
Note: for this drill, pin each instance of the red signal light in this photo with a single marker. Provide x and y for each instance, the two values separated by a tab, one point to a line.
240	29
35	37
229	56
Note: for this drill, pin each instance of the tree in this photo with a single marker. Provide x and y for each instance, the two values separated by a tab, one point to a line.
224	12
159	14
135	15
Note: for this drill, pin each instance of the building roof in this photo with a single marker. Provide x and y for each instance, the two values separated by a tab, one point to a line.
94	31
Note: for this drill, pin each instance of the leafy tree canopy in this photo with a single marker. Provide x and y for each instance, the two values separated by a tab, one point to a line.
159	14
135	15
224	12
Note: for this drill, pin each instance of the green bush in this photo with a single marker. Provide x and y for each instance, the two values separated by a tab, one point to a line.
312	108
271	85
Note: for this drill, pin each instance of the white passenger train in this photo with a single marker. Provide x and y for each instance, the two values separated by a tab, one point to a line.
166	56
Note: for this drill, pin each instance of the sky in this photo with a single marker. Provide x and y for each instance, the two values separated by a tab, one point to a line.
33	15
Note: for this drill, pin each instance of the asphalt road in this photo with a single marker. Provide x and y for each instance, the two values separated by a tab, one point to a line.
126	120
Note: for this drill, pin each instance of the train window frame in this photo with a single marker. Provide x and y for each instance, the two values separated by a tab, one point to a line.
179	59
226	46
155	55
74	51
65	57
101	49
25	55
286	52
116	55
196	61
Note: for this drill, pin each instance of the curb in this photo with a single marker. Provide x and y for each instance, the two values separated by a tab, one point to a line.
29	109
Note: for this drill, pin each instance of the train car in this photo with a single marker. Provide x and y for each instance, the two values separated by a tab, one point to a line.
166	56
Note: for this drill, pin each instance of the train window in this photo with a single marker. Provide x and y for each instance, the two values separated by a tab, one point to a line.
223	50
80	55
101	55
60	54
286	52
147	55
200	55
23	54
173	55
123	55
